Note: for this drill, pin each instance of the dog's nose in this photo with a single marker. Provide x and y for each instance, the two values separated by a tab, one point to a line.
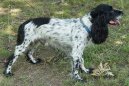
120	12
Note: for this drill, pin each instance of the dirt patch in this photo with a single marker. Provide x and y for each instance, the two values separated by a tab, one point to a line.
43	74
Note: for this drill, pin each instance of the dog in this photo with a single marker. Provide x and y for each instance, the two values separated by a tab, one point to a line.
68	35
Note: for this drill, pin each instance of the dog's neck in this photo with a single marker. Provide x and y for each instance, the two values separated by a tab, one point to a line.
86	19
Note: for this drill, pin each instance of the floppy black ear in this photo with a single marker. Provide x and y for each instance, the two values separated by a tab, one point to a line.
99	29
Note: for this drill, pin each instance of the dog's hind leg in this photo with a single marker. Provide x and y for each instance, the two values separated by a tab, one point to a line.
30	52
19	49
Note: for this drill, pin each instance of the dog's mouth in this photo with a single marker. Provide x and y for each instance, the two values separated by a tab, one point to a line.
115	21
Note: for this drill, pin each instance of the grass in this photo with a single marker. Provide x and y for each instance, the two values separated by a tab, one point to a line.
115	50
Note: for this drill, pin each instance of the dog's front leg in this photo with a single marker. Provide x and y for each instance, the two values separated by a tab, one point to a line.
75	68
78	61
76	55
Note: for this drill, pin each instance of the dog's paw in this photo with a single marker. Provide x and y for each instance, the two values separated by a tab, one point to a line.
37	61
90	70
8	74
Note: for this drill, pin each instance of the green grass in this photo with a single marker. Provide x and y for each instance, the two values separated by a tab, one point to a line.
115	50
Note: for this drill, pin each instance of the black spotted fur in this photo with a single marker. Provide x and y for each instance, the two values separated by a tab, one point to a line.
36	21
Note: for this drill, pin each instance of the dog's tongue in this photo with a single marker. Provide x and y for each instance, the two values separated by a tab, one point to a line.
114	22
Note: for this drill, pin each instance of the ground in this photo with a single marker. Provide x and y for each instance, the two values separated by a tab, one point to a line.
115	50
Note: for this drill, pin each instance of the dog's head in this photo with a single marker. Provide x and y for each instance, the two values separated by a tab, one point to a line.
101	16
106	12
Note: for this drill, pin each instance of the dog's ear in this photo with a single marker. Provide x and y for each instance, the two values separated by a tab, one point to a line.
99	29
101	20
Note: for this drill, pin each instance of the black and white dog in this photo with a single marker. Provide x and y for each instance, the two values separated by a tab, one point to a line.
68	35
